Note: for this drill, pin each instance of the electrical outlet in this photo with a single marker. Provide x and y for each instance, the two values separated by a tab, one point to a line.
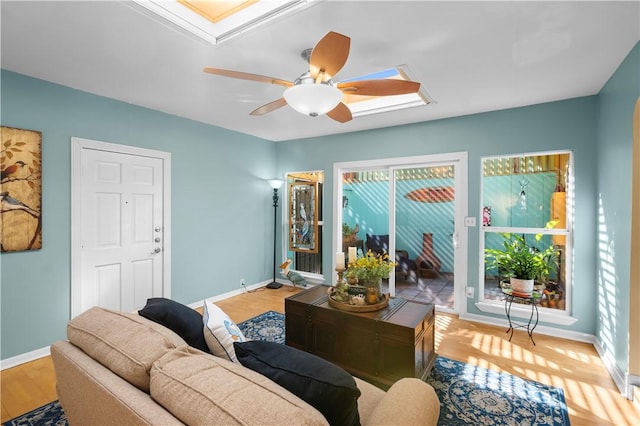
242	283
470	292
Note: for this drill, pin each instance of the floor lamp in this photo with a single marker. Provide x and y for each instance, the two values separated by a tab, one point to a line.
275	184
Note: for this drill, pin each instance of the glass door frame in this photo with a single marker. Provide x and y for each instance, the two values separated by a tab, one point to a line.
459	161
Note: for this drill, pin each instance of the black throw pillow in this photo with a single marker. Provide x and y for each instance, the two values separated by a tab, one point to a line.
181	319
378	244
323	385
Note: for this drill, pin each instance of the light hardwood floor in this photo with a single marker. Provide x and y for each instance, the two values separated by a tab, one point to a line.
590	393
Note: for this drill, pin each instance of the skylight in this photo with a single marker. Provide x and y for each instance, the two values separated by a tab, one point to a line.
216	22
216	11
366	105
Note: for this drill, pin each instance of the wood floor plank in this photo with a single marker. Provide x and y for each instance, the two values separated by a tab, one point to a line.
591	395
26	387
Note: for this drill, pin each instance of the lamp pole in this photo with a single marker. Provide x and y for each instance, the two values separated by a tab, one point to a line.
275	184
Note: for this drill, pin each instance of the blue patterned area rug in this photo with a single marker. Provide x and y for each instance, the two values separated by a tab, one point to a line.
268	326
476	395
47	415
468	395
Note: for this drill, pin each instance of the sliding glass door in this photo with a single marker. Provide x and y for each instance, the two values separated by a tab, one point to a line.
408	208
425	233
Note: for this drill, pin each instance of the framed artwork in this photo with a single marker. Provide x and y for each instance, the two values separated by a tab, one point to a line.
303	220
20	190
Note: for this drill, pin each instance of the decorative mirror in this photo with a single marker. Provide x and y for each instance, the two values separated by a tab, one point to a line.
303	220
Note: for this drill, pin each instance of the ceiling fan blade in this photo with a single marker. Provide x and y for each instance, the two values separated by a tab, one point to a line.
341	113
384	87
329	56
271	106
248	76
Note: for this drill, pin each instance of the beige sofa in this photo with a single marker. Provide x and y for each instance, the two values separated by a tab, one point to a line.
122	369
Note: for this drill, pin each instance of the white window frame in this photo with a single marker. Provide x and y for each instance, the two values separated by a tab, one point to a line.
549	315
461	233
309	276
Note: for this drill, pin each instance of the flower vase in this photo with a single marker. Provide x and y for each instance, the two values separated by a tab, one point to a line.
374	290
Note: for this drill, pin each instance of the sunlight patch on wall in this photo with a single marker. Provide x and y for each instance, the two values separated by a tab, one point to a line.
607	291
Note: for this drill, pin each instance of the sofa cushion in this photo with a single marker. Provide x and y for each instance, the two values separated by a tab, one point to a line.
202	389
327	387
186	322
220	332
125	343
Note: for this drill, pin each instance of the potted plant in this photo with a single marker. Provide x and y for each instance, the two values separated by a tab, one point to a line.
349	234
523	264
370	269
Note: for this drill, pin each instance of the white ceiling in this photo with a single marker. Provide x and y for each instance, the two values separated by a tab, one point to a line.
471	56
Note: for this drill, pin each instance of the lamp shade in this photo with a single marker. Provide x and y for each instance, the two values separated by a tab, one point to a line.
275	183
313	99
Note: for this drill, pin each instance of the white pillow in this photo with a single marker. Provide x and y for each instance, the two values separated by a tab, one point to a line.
220	332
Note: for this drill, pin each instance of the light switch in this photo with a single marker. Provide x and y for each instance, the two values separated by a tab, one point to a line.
469	221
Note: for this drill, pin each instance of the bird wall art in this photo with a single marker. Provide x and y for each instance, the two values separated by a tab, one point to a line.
20	190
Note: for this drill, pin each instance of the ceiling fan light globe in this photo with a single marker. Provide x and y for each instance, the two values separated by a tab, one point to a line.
313	99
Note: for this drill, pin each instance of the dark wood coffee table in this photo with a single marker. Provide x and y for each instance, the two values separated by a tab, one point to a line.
379	347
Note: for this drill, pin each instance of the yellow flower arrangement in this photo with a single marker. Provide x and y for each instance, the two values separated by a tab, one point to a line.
371	267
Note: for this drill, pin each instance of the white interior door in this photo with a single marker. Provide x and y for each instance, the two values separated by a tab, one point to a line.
122	235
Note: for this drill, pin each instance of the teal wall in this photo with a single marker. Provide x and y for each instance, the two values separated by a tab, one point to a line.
222	217
509	211
616	102
369	208
212	221
566	125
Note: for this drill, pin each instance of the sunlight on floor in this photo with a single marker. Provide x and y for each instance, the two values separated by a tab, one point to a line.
489	347
442	323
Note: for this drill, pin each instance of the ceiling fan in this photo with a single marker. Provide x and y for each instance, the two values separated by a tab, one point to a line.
314	92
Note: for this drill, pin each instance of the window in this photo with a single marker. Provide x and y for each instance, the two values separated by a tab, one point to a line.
305	253
366	105
528	196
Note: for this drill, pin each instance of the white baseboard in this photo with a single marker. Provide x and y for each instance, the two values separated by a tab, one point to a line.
231	293
633	388
248	289
26	357
618	376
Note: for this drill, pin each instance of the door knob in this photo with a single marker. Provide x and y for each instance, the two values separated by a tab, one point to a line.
156	250
157	239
